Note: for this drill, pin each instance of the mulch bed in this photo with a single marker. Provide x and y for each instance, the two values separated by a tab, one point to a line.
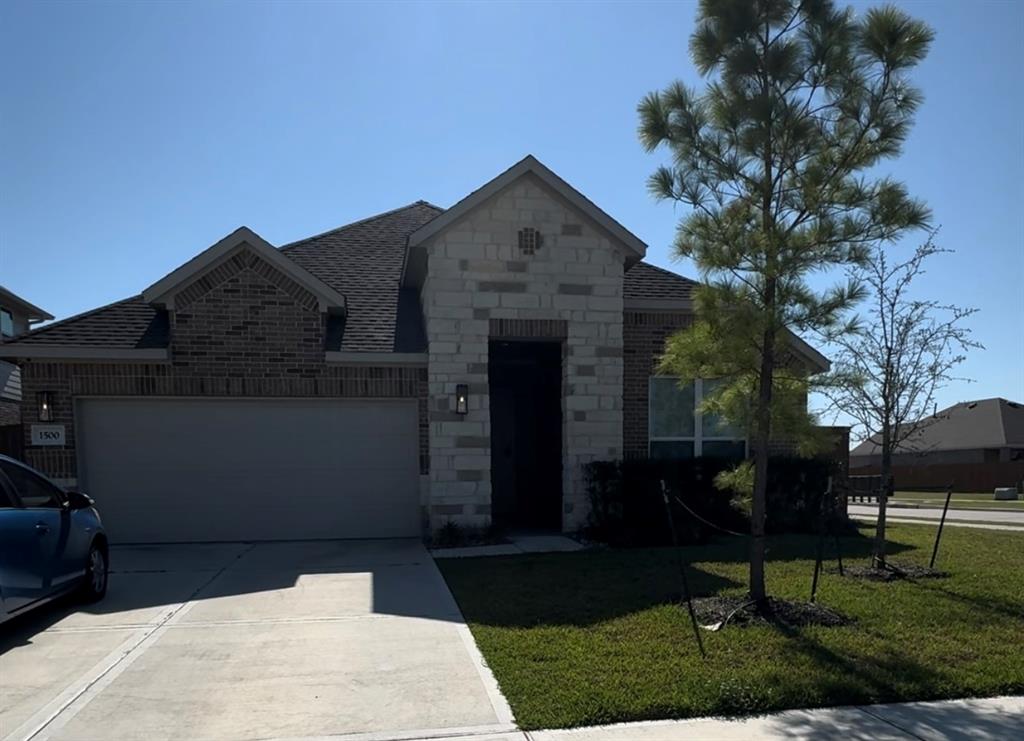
722	611
892	572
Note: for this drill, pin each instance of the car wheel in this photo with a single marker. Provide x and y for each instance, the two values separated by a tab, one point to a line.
94	586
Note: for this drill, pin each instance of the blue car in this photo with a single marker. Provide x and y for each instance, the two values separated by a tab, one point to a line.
51	542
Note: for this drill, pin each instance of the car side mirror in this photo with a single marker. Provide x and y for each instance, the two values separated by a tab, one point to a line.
78	500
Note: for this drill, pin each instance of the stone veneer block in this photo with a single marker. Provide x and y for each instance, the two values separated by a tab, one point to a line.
569	290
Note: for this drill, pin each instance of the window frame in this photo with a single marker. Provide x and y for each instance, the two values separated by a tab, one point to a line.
698	438
57	493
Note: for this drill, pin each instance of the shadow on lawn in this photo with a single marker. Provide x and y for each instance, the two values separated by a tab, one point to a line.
571	589
790	548
587	588
991	603
863	677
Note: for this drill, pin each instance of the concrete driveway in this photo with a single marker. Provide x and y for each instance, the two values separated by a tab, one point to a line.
360	639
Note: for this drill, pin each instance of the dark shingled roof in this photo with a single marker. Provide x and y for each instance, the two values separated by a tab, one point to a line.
646	281
129	323
363	262
986	423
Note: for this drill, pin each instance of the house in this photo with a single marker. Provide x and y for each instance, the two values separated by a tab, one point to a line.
381	379
16	314
977	445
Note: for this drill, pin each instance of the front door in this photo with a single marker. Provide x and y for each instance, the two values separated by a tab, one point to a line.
525	379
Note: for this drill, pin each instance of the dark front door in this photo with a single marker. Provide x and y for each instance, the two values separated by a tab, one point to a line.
526	434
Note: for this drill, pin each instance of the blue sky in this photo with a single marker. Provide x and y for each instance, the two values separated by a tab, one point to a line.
132	136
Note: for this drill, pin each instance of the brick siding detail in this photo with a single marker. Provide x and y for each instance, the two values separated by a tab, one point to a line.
534	329
243	259
247	326
10	413
250	332
643	342
644	336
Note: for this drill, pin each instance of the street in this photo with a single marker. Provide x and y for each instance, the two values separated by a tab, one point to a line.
982	518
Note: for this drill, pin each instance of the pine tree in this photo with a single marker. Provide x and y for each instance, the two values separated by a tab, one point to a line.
802	100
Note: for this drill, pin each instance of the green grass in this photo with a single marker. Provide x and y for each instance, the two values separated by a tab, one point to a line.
960	500
595	637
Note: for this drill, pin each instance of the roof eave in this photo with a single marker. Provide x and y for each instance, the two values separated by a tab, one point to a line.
819	362
657	304
15	351
33	312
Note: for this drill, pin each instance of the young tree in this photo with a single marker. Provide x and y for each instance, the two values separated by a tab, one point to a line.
885	378
802	100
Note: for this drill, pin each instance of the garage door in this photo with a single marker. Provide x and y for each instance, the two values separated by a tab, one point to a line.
187	470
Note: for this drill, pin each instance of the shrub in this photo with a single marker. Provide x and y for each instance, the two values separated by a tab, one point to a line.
627	509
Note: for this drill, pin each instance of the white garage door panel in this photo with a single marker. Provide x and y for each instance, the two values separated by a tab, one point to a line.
167	470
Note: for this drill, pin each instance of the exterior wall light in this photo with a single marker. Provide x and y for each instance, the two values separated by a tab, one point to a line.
461	398
45	406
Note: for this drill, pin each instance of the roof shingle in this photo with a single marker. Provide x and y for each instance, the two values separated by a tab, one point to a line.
985	423
646	281
129	323
363	262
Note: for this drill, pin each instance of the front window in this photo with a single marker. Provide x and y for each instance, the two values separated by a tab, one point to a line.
679	430
6	323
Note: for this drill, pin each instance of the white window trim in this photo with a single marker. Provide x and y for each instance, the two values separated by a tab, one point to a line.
698	438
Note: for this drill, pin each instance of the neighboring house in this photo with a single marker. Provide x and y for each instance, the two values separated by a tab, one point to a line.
16	314
381	379
977	444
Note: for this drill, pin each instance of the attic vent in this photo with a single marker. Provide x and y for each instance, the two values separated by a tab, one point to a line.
530	240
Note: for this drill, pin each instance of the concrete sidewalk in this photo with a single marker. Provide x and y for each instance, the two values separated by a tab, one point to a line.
992	719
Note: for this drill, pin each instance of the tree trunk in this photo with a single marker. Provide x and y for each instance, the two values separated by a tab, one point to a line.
883	499
761	440
764	392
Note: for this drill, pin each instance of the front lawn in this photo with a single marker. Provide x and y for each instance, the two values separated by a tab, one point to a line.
595	637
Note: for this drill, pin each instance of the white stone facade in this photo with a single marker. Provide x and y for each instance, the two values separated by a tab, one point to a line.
477	272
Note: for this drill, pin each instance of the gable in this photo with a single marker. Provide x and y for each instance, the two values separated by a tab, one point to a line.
164	292
243	258
533	171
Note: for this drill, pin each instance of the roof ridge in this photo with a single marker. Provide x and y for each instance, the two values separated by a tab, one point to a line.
359	222
73	317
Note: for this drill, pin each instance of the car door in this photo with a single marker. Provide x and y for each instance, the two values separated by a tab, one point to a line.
21	581
42	525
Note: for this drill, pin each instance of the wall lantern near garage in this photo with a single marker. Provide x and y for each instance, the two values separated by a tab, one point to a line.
45	406
461	398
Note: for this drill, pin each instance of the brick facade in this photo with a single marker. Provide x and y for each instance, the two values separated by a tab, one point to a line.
522	265
644	335
250	334
10	413
483	283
